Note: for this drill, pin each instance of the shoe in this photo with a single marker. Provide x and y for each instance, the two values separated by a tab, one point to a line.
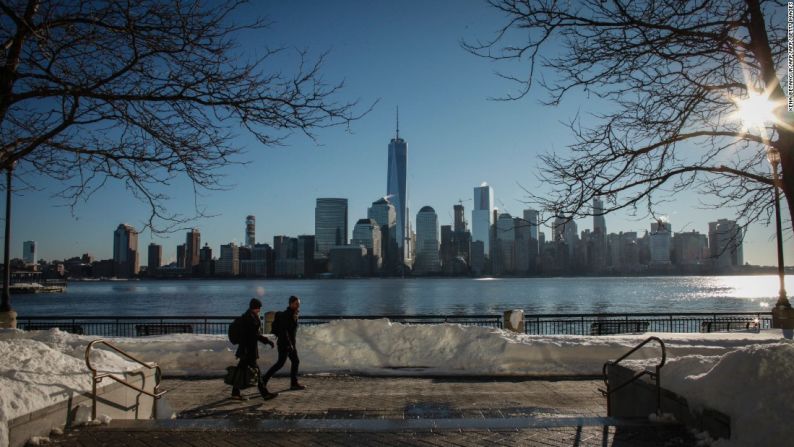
267	395
297	387
239	397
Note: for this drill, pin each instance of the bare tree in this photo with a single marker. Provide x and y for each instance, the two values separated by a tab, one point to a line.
145	91
672	71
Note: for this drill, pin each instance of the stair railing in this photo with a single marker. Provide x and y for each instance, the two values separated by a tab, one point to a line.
655	374
97	377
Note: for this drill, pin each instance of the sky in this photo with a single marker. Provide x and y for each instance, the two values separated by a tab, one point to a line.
403	54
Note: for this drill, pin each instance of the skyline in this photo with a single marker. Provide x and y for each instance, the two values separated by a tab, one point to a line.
458	139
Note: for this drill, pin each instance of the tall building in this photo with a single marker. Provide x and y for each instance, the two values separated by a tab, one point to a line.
229	262
690	248
180	256
427	242
330	224
155	258
385	215
505	256
192	247
523	246
660	243
367	232
396	189
206	265
599	222
725	242
125	251
29	252
460	220
531	219
250	231
482	217
566	231
306	245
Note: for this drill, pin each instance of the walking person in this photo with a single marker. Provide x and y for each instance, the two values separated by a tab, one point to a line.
285	327
248	349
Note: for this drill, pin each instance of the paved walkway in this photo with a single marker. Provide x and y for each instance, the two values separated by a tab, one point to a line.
363	411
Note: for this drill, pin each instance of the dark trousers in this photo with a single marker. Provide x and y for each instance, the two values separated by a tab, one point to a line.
283	354
242	365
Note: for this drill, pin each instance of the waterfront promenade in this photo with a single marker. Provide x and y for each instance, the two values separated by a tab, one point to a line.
363	411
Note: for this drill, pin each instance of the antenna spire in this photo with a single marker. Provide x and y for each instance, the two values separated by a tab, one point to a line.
398	122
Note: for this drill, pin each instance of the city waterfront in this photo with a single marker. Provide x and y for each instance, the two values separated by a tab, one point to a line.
411	296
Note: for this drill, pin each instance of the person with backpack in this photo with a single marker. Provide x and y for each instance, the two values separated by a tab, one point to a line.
245	333
285	327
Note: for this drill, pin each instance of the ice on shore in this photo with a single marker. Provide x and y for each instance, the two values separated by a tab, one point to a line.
741	374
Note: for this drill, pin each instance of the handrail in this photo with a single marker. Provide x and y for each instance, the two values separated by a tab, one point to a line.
635	377
96	377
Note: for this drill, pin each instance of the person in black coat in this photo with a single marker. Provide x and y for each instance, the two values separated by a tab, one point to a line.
286	324
248	348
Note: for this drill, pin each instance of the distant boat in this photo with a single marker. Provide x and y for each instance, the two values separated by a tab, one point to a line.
34	287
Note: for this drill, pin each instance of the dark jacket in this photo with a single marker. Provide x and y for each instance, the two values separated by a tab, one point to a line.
250	336
288	325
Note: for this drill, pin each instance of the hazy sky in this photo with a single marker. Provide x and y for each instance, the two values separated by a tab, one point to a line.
404	53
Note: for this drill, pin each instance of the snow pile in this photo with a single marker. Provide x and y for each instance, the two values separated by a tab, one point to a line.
380	347
749	384
45	367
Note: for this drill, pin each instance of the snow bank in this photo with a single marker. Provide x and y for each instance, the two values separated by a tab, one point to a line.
750	384
383	348
45	367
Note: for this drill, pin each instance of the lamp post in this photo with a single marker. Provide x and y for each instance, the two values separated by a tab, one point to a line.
758	110
773	156
8	318
782	313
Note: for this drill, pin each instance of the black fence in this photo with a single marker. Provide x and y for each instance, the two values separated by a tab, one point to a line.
539	324
605	324
130	326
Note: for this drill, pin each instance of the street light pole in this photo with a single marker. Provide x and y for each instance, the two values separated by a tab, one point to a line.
782	300
782	313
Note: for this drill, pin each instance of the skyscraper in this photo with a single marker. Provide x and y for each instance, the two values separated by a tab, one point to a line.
427	241
505	244
29	252
125	251
330	224
460	220
396	187
599	222
384	214
725	243
367	232
192	247
660	242
250	231
229	261
482	217
155	257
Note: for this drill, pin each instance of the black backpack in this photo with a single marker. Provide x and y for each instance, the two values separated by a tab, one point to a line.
235	330
275	326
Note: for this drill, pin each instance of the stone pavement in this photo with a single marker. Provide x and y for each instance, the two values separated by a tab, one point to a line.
362	411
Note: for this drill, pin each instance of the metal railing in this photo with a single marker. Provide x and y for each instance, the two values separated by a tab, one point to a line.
595	324
97	377
655	374
135	326
534	324
466	320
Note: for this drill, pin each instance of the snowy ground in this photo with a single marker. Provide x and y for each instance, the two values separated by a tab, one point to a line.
705	368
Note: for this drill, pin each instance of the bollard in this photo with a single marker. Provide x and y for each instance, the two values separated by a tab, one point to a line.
8	320
269	317
514	320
